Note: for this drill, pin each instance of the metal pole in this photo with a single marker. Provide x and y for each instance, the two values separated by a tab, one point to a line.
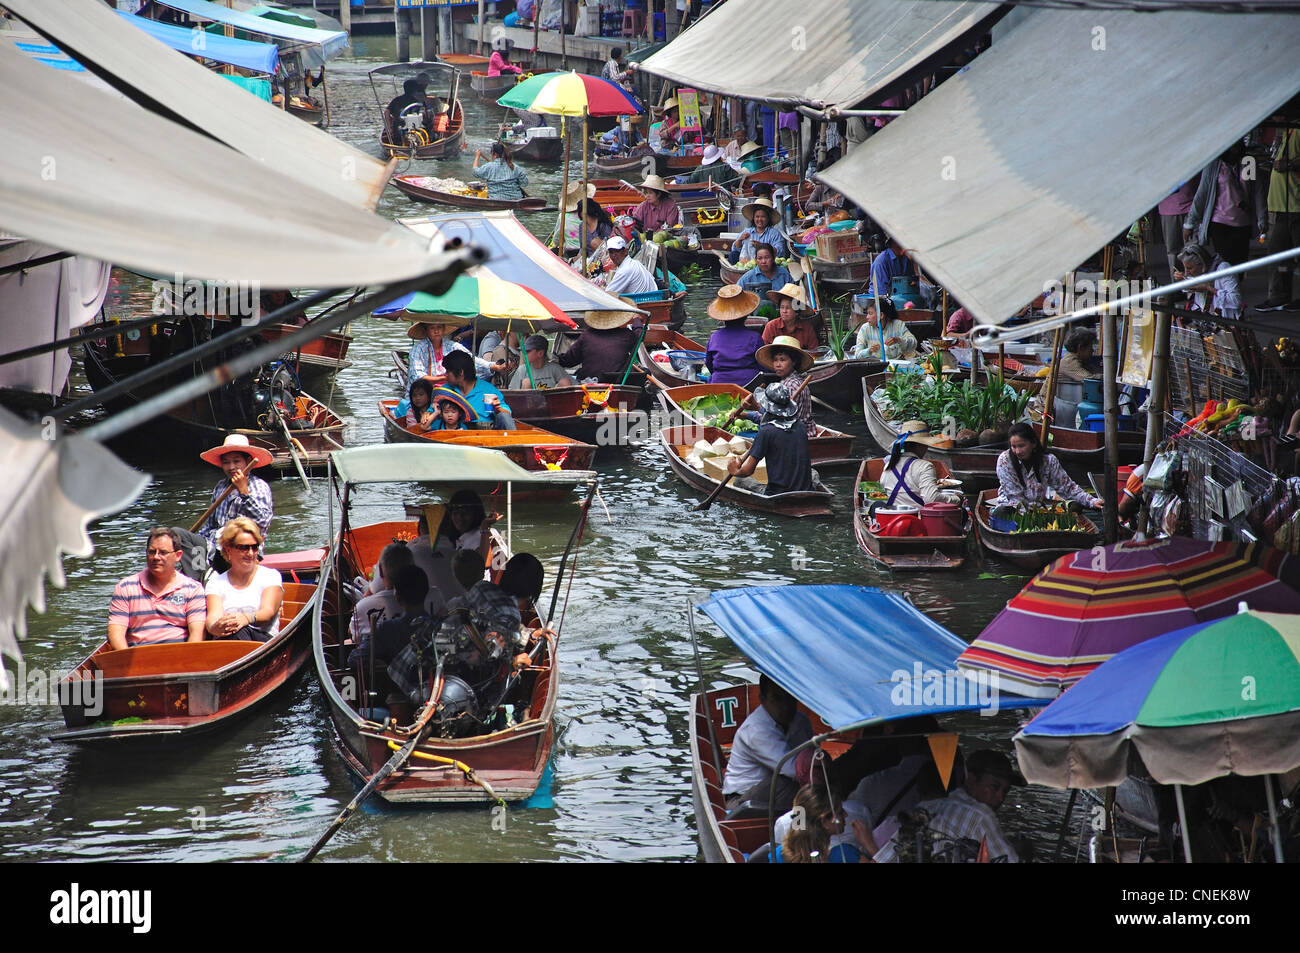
1110	494
582	227
1182	822
1272	819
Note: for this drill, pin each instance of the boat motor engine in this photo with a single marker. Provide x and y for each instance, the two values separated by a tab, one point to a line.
275	393
458	709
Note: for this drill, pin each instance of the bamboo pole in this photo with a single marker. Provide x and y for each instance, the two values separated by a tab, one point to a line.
583	226
1110	494
1049	407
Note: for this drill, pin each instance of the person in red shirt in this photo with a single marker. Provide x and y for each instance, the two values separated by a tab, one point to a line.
788	321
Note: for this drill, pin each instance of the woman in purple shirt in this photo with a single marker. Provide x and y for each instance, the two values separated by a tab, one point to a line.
730	354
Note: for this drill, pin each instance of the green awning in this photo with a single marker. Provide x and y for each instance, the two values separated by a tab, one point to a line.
434	463
261	88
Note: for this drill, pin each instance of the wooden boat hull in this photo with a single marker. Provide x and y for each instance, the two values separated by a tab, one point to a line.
538	149
1086	449
828	448
728	273
668	312
569	411
186	689
411	185
492	87
677	442
513	760
318	359
532	448
658	335
904	553
1029	551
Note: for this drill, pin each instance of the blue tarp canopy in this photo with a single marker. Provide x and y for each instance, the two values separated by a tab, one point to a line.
258	57
331	42
50	56
849	653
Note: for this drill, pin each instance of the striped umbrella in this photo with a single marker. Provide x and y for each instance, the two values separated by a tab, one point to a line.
1088	605
570	94
481	296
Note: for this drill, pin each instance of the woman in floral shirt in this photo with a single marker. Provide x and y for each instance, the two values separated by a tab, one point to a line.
1026	473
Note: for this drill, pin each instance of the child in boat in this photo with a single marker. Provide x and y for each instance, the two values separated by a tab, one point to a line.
420	415
452	411
782	441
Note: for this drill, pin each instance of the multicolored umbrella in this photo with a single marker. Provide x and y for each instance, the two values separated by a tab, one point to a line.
484	296
569	94
1087	606
1208	700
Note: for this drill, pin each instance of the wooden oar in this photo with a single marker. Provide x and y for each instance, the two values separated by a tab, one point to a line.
208	512
293	454
700	507
423	728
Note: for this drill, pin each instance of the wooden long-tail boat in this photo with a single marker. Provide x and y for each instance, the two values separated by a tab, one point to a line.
419	187
421	143
828	448
251	407
1032	550
677	444
164	693
529	447
511	753
536	148
904	553
492	87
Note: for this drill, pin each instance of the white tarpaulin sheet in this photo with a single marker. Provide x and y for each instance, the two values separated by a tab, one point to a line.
1058	137
175	86
815	52
134	189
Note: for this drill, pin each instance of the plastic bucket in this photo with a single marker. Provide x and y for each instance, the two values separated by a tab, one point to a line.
1092	390
942	519
898	521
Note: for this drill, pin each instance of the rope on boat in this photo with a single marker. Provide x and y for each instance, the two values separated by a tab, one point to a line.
460	766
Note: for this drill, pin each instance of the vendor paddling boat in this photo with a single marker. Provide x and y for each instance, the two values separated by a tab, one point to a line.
528	447
678	443
835	383
424	188
410	136
173	692
902	553
828	448
1033	549
487	745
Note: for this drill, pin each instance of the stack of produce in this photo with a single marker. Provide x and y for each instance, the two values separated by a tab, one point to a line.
712	410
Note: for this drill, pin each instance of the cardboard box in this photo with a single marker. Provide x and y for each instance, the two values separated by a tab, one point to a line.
716	467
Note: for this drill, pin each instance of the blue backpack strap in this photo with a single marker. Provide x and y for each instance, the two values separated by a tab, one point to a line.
902	484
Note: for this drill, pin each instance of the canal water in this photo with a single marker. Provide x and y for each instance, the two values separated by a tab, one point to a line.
619	787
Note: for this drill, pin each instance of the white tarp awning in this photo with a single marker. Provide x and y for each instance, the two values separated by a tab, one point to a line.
55	488
177	87
126	186
1057	138
817	53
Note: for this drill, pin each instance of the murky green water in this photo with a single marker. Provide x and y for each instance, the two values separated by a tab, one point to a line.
621	786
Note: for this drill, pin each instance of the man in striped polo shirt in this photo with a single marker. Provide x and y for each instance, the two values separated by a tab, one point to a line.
158	604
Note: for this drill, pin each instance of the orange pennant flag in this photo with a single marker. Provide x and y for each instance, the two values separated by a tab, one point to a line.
943	748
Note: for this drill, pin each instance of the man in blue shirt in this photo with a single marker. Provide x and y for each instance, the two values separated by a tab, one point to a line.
481	395
890	263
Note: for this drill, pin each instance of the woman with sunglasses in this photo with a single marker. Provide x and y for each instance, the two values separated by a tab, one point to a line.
244	601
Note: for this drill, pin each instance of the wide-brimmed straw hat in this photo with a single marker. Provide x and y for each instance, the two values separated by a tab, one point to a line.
655	182
440	320
788	290
785	342
918	432
748	147
764	203
774	401
454	396
574	194
732	304
670	104
607	320
237	443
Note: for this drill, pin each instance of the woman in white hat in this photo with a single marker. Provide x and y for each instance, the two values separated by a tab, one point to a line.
659	210
251	496
712	167
789	322
731	349
761	215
